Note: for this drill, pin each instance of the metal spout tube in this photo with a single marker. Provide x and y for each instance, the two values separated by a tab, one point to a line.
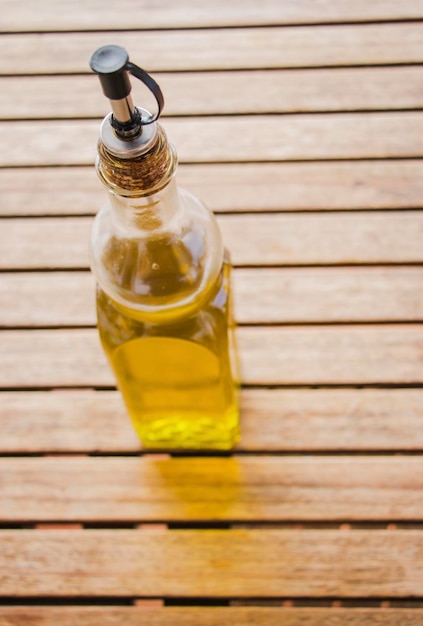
123	110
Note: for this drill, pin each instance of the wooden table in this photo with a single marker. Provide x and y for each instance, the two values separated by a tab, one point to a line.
300	124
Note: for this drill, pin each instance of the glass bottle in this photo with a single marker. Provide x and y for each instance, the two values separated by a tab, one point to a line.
163	283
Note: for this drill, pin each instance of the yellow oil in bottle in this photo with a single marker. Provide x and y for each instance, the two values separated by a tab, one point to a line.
177	376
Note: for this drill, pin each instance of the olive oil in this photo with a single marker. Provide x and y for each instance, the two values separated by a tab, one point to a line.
176	378
163	281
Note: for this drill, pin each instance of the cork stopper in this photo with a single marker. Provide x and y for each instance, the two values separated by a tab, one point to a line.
141	175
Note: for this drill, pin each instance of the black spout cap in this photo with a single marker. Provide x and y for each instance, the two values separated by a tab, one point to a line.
111	65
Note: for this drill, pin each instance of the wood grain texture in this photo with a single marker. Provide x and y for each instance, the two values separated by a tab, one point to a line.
343	354
236	563
249	489
207	616
197	93
191	13
328	294
243	187
259	138
310	355
281	295
304	239
271	419
214	49
260	62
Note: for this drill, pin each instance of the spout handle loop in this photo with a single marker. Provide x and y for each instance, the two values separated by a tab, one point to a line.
151	84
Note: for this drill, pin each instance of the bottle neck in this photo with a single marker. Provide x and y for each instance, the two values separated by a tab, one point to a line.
148	213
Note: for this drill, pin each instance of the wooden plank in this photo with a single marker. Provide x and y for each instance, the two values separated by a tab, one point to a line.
231	187
328	419
249	489
281	295
214	49
323	239
240	563
47	299
343	355
271	420
49	233
309	355
190	13
246	139
207	616
328	294
197	93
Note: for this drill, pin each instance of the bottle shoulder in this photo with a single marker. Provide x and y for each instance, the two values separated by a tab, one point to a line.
161	266
122	324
